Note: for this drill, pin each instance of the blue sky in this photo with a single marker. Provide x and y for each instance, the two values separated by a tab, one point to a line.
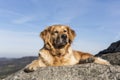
96	22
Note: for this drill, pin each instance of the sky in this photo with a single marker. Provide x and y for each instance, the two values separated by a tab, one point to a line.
96	23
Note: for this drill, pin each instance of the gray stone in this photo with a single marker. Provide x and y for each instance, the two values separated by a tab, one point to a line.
112	53
90	71
113	48
113	58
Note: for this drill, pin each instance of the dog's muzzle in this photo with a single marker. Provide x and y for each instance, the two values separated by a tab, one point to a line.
61	41
64	36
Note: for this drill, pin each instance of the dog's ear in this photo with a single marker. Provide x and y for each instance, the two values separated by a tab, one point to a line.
72	34
45	35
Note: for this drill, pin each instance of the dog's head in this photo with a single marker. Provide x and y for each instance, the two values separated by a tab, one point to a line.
58	35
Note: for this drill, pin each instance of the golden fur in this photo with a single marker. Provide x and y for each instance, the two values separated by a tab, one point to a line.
57	49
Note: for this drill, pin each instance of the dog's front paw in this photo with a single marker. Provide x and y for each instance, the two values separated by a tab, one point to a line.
88	60
32	67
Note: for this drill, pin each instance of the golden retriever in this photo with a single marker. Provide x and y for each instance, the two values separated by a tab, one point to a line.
57	49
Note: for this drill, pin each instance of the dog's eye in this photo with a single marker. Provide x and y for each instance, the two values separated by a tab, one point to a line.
56	32
65	30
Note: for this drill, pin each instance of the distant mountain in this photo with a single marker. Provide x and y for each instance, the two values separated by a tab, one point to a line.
11	65
112	53
4	59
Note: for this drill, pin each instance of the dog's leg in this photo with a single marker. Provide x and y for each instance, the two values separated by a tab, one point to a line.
92	59
87	60
101	61
34	65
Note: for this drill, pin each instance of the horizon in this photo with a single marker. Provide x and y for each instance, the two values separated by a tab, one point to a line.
96	23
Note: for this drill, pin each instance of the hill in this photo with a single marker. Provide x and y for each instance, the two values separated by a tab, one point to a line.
11	65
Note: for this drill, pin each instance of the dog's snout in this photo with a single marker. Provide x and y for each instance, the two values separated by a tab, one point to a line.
64	36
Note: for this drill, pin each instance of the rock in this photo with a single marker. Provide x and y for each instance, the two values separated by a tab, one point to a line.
113	48
113	58
112	53
90	71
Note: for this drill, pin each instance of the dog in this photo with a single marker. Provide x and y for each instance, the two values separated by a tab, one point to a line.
57	50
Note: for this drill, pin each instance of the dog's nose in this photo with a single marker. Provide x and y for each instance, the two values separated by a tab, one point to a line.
64	36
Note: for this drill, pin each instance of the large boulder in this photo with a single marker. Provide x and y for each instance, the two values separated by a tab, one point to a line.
90	71
113	48
113	58
112	53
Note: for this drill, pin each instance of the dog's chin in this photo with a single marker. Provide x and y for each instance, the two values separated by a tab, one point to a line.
60	45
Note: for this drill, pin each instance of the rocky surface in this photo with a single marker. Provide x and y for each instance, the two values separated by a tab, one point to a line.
113	48
113	58
88	71
112	53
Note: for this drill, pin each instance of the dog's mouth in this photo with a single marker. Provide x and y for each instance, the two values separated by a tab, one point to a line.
60	42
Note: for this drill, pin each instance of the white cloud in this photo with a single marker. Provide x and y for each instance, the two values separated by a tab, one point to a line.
7	12
23	20
65	13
